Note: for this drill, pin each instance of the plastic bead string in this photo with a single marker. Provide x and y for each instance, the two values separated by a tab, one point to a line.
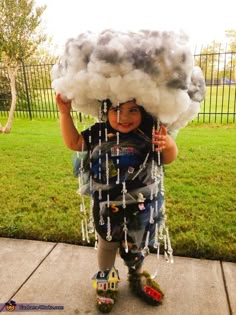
158	178
91	227
124	189
145	250
125	228
90	162
168	247
168	251
91	221
117	160
101	220
108	236
118	149
85	227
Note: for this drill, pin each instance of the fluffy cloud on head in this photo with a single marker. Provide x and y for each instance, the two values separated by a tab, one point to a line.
155	68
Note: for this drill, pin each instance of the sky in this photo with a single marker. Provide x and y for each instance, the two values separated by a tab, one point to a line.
203	20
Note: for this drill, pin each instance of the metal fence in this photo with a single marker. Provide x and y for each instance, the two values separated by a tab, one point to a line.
219	69
36	98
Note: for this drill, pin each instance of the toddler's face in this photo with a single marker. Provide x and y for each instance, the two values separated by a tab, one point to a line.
126	117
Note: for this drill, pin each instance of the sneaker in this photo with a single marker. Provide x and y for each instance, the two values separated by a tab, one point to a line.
146	288
105	300
106	285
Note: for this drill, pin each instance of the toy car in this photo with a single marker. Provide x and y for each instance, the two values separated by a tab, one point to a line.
106	300
152	293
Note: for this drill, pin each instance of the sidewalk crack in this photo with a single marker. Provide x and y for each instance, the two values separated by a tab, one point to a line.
226	288
31	274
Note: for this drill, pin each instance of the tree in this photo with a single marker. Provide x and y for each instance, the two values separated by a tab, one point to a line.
208	60
231	35
19	39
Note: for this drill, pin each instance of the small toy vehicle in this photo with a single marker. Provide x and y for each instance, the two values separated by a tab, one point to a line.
106	300
152	293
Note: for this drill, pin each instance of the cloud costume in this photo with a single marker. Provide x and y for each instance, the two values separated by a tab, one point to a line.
156	68
124	174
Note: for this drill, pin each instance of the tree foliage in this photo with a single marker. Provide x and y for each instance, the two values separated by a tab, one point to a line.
218	61
19	22
231	35
19	38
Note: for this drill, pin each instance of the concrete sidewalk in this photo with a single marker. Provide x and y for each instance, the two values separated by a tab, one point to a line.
60	274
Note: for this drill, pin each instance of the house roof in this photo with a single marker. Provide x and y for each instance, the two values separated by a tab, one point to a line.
104	275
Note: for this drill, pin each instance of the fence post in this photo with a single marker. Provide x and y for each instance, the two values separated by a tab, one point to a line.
26	89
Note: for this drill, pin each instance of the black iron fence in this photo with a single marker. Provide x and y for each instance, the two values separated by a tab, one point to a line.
36	98
219	105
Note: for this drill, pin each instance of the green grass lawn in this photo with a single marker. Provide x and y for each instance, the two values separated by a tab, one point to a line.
39	201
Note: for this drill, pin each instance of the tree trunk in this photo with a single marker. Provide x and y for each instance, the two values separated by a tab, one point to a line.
12	72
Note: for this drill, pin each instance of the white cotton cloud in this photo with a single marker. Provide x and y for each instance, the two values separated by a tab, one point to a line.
156	68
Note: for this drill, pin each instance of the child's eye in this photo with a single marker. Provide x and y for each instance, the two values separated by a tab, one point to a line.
134	110
115	109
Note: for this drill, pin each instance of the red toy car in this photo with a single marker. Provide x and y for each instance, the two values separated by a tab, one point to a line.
152	293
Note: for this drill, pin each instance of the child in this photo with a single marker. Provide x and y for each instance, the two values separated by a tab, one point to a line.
126	185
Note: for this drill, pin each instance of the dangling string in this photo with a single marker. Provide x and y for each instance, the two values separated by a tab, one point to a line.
84	222
96	240
125	228
169	248
157	172
151	220
124	190
107	169
89	228
117	144
162	180
108	236
83	230
86	230
90	162
101	221
91	220
141	167
158	152
145	250
156	241
100	156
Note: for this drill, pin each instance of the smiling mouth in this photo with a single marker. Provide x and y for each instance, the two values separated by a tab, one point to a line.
125	125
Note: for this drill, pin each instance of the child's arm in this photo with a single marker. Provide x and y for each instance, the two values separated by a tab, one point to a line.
165	144
71	137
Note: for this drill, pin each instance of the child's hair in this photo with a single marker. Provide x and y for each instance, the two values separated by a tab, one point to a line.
147	118
148	121
105	106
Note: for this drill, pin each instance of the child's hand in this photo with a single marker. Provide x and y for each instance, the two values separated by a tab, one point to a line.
161	139
63	106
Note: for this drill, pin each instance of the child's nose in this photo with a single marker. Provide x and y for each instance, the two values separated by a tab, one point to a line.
124	117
